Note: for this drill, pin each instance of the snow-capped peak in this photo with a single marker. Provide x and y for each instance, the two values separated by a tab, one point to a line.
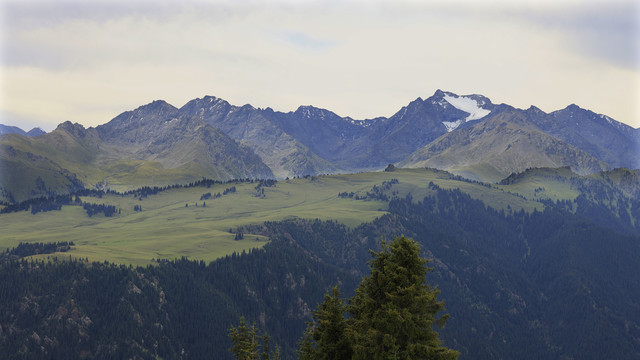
467	105
463	103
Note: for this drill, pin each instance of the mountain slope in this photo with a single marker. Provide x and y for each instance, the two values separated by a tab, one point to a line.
498	146
259	130
599	135
152	145
157	132
25	174
54	163
423	121
323	142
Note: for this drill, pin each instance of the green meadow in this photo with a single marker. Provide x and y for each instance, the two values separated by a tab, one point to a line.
176	223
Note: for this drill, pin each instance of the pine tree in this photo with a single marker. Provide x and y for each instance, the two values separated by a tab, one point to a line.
246	343
325	337
394	308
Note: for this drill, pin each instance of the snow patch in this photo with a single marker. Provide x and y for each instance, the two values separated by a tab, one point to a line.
462	103
451	125
467	105
362	123
607	118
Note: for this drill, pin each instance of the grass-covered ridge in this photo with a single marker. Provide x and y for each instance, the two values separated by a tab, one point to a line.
185	222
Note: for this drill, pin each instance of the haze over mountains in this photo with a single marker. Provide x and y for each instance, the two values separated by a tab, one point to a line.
159	144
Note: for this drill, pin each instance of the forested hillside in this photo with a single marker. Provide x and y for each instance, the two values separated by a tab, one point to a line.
546	284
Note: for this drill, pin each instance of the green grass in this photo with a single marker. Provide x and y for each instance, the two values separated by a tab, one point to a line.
551	184
167	229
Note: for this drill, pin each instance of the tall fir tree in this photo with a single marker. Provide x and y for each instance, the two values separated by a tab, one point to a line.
326	337
394	308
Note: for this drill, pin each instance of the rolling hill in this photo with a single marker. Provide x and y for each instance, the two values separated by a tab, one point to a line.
192	221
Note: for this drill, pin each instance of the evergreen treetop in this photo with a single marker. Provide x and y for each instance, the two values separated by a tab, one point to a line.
394	308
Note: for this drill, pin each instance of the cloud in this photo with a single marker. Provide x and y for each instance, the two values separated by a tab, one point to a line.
305	42
89	63
606	31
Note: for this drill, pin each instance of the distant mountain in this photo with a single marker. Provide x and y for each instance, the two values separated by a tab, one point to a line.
35	132
423	121
5	129
469	135
500	145
158	132
152	145
311	140
260	130
599	135
321	141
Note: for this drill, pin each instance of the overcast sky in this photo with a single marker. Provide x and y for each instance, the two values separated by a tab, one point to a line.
89	61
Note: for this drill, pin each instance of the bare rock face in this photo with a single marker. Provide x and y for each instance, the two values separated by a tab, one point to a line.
260	130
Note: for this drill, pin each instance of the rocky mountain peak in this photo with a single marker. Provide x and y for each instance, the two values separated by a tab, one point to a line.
312	114
439	93
535	110
210	99
71	128
206	101
415	103
36	132
156	106
309	111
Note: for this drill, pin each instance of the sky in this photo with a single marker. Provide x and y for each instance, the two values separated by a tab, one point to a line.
89	61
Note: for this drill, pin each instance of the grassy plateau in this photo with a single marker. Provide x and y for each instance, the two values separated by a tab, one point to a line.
176	223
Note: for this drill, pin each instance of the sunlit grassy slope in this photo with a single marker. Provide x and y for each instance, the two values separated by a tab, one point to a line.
545	183
167	228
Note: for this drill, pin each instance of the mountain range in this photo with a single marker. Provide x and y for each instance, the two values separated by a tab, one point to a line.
5	129
159	144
